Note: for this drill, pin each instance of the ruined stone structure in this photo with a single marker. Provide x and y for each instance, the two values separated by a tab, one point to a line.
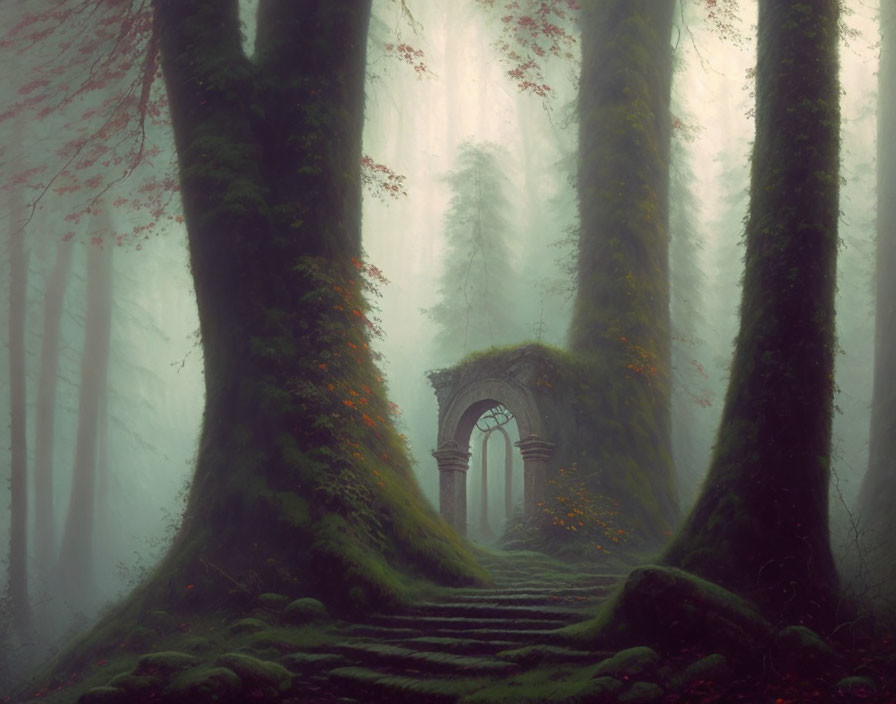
522	380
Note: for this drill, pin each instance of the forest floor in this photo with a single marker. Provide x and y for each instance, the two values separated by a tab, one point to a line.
511	642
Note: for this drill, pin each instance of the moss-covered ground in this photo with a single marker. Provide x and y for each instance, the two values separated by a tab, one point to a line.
546	631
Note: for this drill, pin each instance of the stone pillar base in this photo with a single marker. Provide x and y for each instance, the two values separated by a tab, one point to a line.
536	453
453	464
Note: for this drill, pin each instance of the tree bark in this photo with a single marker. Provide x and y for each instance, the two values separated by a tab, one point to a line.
760	525
301	479
620	324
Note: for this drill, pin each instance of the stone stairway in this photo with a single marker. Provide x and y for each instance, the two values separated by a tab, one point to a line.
439	650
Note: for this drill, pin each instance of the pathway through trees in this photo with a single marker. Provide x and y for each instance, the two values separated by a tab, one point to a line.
443	649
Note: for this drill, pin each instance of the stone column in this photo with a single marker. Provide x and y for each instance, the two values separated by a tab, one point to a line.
508	474
485	530
536	453
453	464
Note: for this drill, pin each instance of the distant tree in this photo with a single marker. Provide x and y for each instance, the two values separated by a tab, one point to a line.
44	521
686	293
760	525
476	307
76	559
878	494
17	612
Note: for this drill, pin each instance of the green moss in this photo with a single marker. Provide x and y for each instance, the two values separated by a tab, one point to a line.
130	682
631	663
272	601
165	662
206	684
247	625
544	685
256	673
305	610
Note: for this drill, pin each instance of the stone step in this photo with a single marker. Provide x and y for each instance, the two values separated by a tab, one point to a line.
429	623
370	630
463	646
493	610
399	659
544	582
520	593
373	686
574	601
528	635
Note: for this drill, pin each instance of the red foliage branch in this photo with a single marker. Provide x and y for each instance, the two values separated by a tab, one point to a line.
380	180
535	30
413	57
89	79
90	86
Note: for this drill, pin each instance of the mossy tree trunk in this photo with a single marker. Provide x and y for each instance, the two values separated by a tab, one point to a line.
879	487
620	322
302	484
760	525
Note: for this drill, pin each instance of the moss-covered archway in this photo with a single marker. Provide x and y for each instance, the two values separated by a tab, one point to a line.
518	378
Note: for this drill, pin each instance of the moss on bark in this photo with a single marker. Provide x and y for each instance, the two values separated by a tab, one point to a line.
621	313
760	526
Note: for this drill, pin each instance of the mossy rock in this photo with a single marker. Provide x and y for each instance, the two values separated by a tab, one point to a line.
633	662
712	668
194	644
671	609
269	676
642	693
802	651
104	695
134	684
604	688
206	684
247	625
272	601
305	610
856	688
165	662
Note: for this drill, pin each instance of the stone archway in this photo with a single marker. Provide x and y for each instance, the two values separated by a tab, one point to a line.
464	393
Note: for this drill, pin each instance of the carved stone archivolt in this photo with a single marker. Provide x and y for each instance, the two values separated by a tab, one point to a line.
515	379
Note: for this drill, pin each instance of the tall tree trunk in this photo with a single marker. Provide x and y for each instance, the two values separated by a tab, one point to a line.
760	525
300	479
620	323
54	294
17	576
76	567
879	487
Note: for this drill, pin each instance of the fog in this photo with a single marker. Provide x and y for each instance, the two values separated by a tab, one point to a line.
416	124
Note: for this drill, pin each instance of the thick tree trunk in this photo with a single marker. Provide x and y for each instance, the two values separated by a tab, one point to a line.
620	322
44	522
878	494
301	479
760	525
17	576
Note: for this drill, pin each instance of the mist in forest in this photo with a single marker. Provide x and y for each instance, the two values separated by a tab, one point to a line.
476	235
